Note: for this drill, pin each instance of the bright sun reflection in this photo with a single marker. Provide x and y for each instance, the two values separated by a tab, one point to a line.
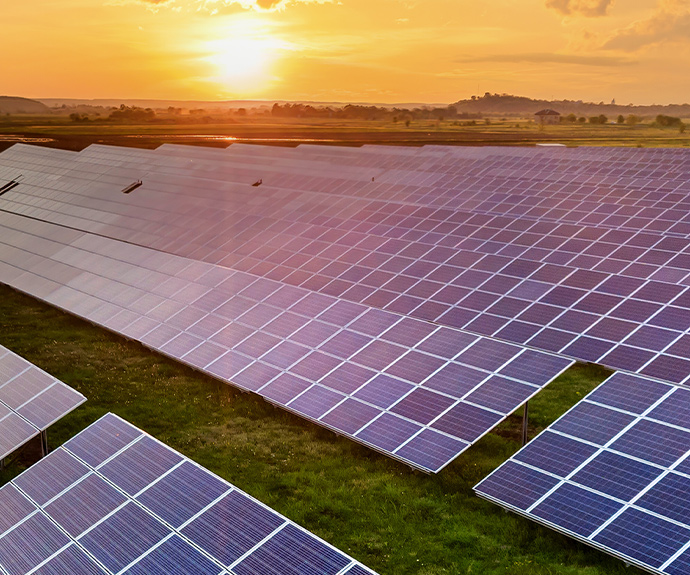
245	60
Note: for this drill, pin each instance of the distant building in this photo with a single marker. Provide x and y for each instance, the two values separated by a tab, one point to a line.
547	117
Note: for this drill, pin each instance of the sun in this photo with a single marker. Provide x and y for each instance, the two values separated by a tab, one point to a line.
246	58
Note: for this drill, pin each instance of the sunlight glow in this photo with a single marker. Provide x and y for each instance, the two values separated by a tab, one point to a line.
245	60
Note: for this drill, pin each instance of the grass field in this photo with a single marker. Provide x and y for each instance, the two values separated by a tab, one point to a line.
292	131
391	518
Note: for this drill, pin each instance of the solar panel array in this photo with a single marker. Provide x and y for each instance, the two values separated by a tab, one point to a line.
419	392
391	258
613	472
552	281
115	500
31	400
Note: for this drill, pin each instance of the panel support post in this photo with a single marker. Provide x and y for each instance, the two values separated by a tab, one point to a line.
44	443
525	414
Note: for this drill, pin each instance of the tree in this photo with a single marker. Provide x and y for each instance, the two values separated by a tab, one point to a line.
632	120
620	119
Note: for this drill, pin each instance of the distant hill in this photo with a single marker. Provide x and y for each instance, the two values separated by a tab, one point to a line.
507	105
209	105
16	105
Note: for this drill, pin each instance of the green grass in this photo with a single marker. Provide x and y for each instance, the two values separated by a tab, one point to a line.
391	518
268	129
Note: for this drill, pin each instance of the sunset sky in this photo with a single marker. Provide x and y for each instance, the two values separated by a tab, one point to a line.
436	51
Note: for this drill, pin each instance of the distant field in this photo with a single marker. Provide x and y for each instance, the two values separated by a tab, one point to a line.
292	131
396	520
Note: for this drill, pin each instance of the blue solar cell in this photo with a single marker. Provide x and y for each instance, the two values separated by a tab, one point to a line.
255	376
14	506
540	314
174	557
388	432
422	405
658	292
654	442
316	401
670	317
629	392
555	453
431	450
488	354
347	377
84	504
574	321
257	344
626	357
71	560
18	558
635	310
616	475
446	343
182	493
467	422
374	322
588	348
457	317
345	343
383	391
675	409
408	332
517	331
314	333
50	476
285	354
668	497
551	339
102	439
668	368
620	285
516	485
232	526
350	416
292	552
123	537
285	388
593	423
379	354
576	509
140	464
285	324
649	337
681	565
501	394
643	537
415	366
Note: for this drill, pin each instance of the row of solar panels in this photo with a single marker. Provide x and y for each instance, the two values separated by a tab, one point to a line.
418	392
631	323
30	401
115	500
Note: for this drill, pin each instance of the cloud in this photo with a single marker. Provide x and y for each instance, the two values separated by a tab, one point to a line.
591	8
549	58
219	6
670	22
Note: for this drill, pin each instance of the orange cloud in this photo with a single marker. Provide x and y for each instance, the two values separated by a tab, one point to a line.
670	22
591	8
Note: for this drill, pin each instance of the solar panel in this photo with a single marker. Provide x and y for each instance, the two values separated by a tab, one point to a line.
115	500
30	401
553	285
390	382
611	472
